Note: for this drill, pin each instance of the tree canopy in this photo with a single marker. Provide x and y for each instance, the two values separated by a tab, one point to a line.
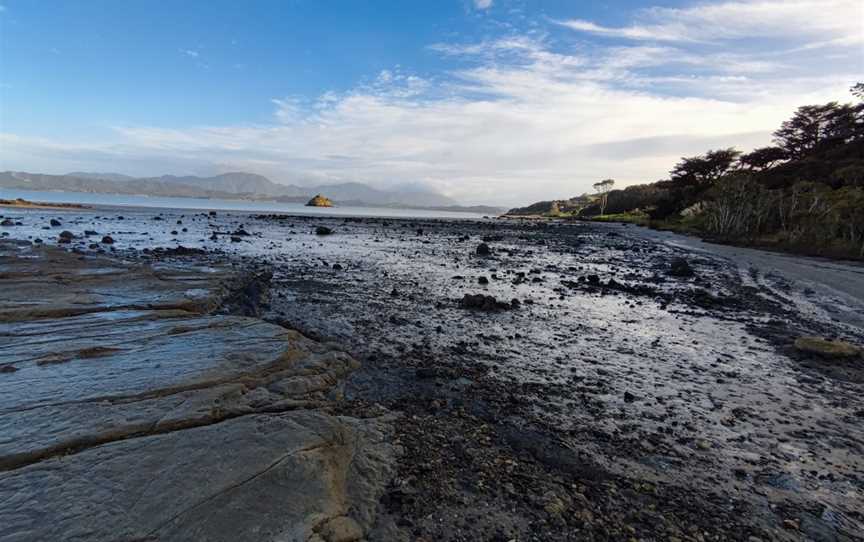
705	168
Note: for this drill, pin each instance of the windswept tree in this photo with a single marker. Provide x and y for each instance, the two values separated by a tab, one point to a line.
816	127
858	90
603	188
704	169
763	158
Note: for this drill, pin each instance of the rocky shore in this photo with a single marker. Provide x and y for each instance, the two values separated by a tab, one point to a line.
135	406
549	381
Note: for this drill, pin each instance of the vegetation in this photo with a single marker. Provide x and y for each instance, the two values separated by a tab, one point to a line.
805	193
603	188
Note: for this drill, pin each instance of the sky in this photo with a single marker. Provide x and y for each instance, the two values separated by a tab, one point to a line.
499	102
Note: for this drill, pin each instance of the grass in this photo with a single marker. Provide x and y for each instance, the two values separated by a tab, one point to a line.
630	217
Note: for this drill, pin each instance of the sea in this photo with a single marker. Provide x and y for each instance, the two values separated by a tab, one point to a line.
121	200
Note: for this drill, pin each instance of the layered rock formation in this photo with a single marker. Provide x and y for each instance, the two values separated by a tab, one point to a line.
130	409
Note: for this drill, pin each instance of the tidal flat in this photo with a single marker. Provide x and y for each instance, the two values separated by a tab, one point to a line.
546	380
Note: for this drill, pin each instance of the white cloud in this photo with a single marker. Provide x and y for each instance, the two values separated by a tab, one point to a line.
483	4
839	19
190	52
524	118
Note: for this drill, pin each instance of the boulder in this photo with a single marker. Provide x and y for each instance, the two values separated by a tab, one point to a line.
826	348
483	302
679	267
319	201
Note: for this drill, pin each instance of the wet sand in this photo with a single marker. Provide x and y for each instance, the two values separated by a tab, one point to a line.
612	401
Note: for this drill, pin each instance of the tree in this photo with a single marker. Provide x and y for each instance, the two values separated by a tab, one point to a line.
851	175
603	188
763	158
704	169
858	90
815	127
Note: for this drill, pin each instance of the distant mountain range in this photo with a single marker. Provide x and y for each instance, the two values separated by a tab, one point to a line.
237	185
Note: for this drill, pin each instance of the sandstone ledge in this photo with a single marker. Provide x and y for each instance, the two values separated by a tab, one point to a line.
130	410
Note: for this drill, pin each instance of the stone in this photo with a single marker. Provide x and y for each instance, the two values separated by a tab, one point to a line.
323	230
481	302
483	250
131	410
54	222
342	529
679	267
107	240
319	201
826	348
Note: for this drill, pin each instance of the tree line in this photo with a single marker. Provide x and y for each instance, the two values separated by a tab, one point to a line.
805	192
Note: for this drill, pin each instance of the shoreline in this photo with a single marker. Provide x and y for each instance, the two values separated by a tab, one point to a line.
779	248
472	212
557	418
19	203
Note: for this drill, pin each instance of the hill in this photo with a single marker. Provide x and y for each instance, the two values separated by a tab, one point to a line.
232	185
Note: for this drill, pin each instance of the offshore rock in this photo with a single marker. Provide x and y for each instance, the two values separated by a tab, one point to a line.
319	201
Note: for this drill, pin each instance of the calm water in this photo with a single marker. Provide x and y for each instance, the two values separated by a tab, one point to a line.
118	200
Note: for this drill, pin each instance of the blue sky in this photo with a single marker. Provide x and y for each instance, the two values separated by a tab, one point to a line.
497	101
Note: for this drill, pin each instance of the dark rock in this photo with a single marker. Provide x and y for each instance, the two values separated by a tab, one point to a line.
180	250
483	250
107	240
482	280
680	268
323	230
55	222
482	302
7	222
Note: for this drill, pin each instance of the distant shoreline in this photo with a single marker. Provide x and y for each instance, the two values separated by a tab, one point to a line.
475	209
70	200
27	204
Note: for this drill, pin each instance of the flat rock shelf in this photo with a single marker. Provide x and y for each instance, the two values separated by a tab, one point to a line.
131	409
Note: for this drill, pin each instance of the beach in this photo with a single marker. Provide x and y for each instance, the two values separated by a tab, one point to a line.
545	380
